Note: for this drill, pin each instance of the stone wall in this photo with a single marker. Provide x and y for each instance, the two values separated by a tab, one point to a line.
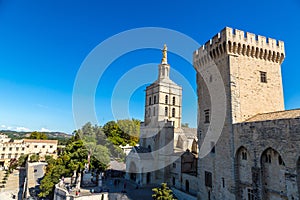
273	149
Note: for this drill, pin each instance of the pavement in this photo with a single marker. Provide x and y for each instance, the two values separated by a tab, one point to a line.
120	191
13	186
131	191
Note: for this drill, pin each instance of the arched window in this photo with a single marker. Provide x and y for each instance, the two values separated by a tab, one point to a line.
149	112
174	100
173	112
166	111
149	100
154	99
166	99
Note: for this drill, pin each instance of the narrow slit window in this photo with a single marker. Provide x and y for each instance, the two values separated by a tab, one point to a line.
263	77
173	112
206	116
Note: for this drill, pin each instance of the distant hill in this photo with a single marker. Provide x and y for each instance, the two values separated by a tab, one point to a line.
60	136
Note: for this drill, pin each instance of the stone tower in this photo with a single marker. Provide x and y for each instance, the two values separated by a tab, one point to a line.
163	97
250	68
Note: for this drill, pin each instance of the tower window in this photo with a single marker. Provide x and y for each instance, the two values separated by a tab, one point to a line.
150	101
268	158
166	99
206	116
263	77
223	182
244	155
208	179
154	99
280	161
154	111
166	111
174	100
250	194
173	112
213	148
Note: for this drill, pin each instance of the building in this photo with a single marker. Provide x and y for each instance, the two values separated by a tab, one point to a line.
10	148
126	149
257	154
163	142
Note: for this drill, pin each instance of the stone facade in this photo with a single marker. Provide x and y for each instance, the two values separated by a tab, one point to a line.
163	141
10	149
257	153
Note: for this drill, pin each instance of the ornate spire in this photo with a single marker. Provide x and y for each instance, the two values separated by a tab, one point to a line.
164	59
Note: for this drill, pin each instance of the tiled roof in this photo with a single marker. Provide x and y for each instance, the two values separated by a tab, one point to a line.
286	114
40	141
115	165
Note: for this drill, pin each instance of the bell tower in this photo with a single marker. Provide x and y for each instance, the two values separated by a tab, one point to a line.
163	97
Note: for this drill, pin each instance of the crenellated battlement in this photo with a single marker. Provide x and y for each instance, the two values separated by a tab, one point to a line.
236	42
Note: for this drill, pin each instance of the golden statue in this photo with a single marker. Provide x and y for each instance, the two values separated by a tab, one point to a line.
164	59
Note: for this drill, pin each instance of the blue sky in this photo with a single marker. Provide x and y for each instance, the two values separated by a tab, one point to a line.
43	44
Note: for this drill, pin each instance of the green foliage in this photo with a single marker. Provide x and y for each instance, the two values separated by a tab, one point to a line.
162	193
13	164
38	135
34	158
46	186
22	160
185	125
122	132
94	142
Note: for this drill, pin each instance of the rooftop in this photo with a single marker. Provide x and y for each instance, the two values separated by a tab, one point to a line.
40	141
286	114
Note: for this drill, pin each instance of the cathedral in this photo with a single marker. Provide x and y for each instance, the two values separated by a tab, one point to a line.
167	152
246	146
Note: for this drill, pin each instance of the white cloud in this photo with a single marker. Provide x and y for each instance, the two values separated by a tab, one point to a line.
3	126
22	129
44	130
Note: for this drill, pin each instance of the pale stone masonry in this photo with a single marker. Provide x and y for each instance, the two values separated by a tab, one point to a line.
257	154
161	155
10	149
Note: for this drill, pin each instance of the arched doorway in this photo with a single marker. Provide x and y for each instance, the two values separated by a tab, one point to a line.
273	175
243	174
148	177
187	185
132	171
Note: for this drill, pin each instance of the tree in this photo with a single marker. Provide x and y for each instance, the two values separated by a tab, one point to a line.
34	158
185	125
22	160
162	193
13	164
38	135
122	132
